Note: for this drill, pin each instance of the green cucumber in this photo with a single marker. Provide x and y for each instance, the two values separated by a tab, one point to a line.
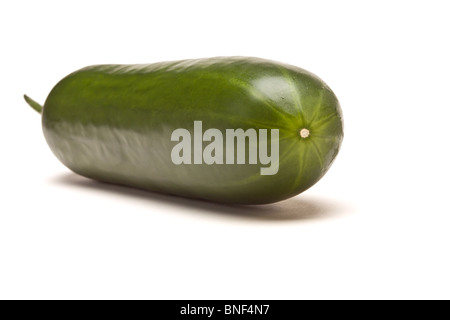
147	126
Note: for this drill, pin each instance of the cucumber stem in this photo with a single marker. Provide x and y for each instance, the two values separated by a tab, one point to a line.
36	106
304	133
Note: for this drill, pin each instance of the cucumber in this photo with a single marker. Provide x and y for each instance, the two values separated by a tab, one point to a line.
227	129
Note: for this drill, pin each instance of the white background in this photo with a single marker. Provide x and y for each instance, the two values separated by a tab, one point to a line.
376	226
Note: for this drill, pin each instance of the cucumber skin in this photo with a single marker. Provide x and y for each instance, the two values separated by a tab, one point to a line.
113	123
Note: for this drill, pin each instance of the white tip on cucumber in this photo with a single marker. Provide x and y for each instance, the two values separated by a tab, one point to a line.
304	133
